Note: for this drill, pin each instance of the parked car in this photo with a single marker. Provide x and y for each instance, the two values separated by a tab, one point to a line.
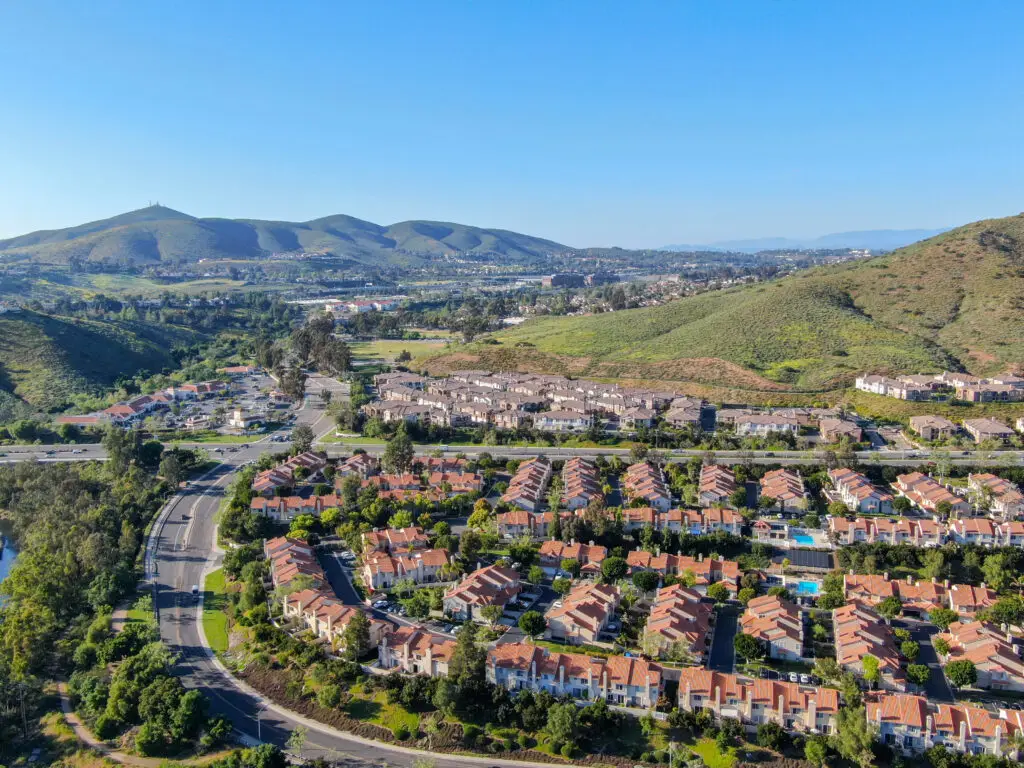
793	677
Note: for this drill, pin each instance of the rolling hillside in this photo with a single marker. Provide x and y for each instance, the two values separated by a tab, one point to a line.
46	359
955	300
159	234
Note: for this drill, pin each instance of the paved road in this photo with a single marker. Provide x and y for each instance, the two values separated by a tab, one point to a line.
723	655
937	689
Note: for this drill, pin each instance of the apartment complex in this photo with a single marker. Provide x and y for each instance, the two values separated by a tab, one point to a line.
492	585
679	626
583	614
777	623
859	494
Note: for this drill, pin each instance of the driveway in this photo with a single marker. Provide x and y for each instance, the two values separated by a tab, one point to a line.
937	688
723	654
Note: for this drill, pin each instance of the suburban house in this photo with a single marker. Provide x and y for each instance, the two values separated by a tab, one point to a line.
769	531
786	486
362	465
927	493
919	598
646	481
901	390
563	421
704	521
679	626
492	585
995	654
932	427
395	539
834	430
284	508
988	429
717	484
967	600
326	617
973	530
918	532
382	570
519	523
623	681
580	483
912	724
706	570
290	558
998	496
589	556
800	708
583	614
859	494
860	632
416	651
777	623
526	488
306	466
764	424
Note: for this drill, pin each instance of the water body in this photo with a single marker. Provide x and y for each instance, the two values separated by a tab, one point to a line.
10	551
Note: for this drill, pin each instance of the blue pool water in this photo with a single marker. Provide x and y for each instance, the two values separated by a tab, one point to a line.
803	538
808	588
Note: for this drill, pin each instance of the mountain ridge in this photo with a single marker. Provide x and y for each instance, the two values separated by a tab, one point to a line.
869	239
159	234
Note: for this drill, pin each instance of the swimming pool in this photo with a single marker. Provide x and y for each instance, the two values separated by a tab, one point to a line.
803	538
807	588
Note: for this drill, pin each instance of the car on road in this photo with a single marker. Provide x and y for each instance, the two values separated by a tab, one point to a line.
380	604
805	679
76	451
195	593
793	677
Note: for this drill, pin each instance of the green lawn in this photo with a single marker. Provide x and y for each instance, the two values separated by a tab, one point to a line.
379	712
712	756
386	350
215	621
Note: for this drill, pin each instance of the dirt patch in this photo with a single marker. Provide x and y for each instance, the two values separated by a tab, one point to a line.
982	357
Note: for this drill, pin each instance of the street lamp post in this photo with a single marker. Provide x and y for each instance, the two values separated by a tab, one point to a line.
259	729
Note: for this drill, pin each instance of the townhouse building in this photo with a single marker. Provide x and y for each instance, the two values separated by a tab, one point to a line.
932	428
382	570
996	655
581	483
794	707
623	681
706	571
980	531
646	481
901	390
284	508
308	466
527	486
916	532
912	724
589	556
453	484
583	614
290	558
927	493
833	430
777	623
786	487
326	617
395	539
493	585
967	600
860	632
764	424
563	421
859	494
987	429
416	651
716	486
362	465
679	626
1000	497
518	523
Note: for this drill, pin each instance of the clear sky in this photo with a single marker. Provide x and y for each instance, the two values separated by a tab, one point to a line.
591	123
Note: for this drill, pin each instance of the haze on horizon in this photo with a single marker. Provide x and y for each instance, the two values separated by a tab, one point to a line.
589	124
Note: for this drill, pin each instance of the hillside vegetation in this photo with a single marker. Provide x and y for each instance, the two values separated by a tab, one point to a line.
954	301
46	359
158	234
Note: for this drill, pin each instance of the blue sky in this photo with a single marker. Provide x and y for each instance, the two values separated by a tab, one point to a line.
635	124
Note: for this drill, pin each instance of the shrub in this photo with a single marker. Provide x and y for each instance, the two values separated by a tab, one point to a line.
107	726
329	696
523	741
661	756
470	734
401	733
567	750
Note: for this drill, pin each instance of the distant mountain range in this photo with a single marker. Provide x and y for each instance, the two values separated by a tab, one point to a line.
870	239
159	234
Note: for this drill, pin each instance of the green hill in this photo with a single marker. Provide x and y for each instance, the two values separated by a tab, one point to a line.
954	300
159	234
46	359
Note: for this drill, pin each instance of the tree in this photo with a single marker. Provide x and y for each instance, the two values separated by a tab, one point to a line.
718	592
563	720
302	438
535	575
297	739
745	595
613	569
532	623
770	736
646	581
748	647
998	571
816	750
562	586
889	608
838	509
401	519
854	737
910	650
901	505
943	509
870	665
941	646
738	498
356	636
399	453
919	674
171	469
827	668
570	566
962	673
493	613
943	617
470	544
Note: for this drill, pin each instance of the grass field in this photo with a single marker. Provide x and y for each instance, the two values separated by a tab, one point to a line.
712	756
215	621
378	711
386	350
